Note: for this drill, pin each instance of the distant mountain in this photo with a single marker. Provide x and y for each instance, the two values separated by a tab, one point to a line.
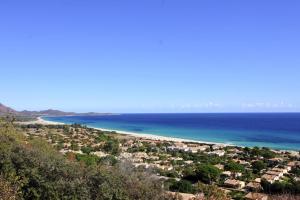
48	112
4	110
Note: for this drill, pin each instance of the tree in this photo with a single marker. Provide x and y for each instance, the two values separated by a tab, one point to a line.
43	173
88	159
234	167
74	146
207	173
87	150
182	186
257	166
190	174
284	187
112	146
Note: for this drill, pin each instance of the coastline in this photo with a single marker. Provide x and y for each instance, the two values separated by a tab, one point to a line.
42	121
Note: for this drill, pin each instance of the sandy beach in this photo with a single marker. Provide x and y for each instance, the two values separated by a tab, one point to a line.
137	135
40	121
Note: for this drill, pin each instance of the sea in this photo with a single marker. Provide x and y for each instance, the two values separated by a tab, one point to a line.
273	130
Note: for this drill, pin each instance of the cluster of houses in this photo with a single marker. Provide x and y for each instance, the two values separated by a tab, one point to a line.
163	159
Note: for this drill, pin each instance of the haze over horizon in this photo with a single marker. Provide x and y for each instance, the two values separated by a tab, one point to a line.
150	56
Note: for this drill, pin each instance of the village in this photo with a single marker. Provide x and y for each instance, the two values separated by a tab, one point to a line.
242	173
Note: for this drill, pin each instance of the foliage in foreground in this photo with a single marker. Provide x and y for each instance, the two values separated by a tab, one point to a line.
34	170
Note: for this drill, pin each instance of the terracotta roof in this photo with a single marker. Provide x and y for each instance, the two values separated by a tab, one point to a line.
256	196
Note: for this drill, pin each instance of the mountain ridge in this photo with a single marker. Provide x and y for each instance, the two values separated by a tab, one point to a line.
5	110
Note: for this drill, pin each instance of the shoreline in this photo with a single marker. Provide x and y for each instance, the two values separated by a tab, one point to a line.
40	120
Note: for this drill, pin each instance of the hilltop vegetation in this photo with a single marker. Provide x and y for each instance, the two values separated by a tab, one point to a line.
32	169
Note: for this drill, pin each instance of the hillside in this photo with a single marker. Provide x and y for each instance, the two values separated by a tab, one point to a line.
30	168
5	110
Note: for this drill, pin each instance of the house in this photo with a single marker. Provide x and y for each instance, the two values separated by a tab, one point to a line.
242	162
294	164
195	149
178	146
270	178
254	186
218	146
274	161
282	170
258	180
217	153
235	150
276	173
188	162
227	173
288	168
232	183
256	196
231	155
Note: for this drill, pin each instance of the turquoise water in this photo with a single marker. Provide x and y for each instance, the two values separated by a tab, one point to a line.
276	130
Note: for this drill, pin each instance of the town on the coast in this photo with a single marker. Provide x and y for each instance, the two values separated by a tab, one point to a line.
237	172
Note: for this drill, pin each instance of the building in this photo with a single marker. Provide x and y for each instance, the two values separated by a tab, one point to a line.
270	178
217	153
294	164
218	146
282	170
162	167
274	161
195	149
275	173
258	180
256	196
254	186
227	173
188	162
232	183
178	146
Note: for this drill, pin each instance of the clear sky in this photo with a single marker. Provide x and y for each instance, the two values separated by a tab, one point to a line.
150	55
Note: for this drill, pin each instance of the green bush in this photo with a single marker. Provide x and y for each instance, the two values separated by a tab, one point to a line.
40	172
234	167
207	173
182	186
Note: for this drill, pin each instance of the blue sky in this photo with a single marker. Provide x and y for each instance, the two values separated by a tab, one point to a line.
150	55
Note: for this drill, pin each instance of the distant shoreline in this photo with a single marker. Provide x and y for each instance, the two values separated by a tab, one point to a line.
40	120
